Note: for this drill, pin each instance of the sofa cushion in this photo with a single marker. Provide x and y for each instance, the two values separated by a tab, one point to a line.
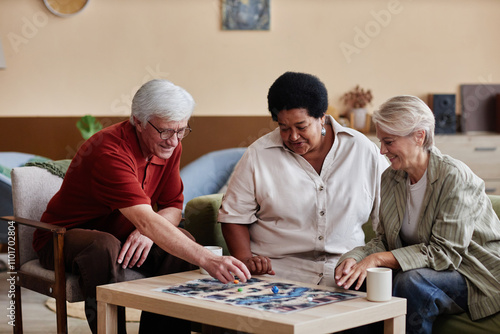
73	292
369	232
9	160
209	173
201	221
495	202
462	323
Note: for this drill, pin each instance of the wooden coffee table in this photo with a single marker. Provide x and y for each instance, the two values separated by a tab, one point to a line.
140	294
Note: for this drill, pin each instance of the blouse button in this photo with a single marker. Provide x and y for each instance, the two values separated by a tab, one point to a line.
320	237
322	213
321	188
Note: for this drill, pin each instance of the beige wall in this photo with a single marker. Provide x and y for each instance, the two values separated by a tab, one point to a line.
94	62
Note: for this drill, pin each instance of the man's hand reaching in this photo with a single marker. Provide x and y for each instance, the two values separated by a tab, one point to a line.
224	268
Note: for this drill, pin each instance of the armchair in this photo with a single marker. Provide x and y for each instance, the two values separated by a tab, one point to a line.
9	160
32	188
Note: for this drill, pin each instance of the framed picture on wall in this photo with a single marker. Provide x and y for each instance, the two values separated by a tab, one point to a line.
245	14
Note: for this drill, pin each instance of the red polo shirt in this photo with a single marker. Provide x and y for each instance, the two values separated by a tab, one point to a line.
109	172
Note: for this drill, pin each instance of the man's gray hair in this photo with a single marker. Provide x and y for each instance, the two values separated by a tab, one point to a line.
161	98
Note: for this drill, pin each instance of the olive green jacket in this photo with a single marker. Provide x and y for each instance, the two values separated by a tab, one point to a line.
458	229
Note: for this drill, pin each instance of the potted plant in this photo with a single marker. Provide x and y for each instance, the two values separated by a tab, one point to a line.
357	100
88	126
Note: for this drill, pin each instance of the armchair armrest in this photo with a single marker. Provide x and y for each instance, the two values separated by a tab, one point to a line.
36	224
58	287
201	215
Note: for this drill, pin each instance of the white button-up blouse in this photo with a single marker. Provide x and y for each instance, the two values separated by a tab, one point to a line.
301	220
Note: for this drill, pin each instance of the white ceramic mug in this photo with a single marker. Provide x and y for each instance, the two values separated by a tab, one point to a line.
379	284
217	250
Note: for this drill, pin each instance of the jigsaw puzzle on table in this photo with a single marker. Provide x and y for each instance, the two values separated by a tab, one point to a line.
275	297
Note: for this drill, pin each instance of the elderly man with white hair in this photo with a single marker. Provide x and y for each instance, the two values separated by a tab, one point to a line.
121	203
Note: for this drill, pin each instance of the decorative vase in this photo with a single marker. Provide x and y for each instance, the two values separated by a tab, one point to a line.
359	118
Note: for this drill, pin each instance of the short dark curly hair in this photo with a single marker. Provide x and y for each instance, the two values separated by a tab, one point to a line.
297	90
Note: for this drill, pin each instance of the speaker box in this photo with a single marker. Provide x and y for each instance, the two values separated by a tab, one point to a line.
444	108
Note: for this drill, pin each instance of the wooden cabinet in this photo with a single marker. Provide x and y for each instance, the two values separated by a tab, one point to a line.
481	152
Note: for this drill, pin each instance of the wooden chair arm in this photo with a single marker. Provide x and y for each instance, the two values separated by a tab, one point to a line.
58	287
35	224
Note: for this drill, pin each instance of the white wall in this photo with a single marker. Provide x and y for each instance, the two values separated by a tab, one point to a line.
93	63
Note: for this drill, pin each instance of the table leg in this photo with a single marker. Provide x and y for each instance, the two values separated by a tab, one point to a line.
395	325
107	315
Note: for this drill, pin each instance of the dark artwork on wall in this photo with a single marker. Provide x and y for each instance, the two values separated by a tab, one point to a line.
479	107
245	14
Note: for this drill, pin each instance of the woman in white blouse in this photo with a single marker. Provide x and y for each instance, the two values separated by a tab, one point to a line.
299	196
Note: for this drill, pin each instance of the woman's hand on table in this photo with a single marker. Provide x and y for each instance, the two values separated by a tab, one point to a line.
259	265
350	271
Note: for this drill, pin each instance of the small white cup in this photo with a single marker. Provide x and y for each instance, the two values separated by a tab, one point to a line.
379	284
217	250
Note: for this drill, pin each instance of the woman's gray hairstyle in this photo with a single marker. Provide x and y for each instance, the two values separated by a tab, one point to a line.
163	99
403	115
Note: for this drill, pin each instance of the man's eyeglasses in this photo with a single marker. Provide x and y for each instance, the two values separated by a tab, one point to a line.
167	133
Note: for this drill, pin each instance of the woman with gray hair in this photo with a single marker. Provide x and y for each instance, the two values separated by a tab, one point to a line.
437	228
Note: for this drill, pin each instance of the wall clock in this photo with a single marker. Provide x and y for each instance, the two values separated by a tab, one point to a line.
65	7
